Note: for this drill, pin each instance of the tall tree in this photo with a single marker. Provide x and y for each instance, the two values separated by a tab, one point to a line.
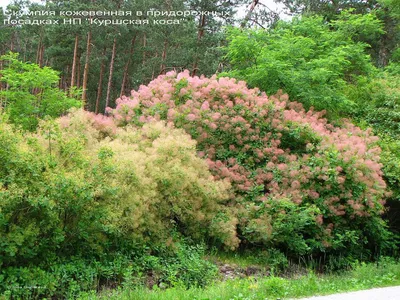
144	48
200	33
209	34
100	84
110	75
86	69
381	48
163	57
127	64
74	61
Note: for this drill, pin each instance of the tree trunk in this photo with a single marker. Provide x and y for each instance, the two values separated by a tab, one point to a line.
385	45
86	70
66	79
12	42
1	83
60	82
74	62
144	49
25	51
41	57
110	75
200	33
153	70
126	69
163	57
383	56
248	15
38	50
99	86
78	75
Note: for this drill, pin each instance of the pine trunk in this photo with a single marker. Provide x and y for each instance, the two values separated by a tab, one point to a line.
41	56
126	69
38	50
144	49
78	75
73	72
12	42
66	79
86	70
163	57
110	74
153	70
99	86
200	33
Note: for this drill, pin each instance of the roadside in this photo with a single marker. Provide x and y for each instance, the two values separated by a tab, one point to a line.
263	285
388	293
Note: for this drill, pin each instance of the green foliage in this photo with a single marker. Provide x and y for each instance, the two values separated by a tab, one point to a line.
31	92
379	100
185	266
311	60
393	6
362	276
70	191
300	184
182	266
391	162
266	259
78	189
325	64
45	211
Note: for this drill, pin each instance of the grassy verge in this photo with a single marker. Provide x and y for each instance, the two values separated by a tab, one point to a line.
363	276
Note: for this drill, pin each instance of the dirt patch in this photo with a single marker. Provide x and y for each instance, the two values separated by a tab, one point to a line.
231	271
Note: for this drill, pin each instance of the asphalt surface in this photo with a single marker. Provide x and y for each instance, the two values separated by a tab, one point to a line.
389	293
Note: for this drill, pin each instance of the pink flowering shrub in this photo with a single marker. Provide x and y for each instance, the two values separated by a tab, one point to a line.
98	126
299	182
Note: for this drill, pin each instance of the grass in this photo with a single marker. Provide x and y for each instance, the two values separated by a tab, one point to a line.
363	276
271	258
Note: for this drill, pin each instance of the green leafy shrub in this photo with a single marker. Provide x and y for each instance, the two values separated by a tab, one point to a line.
310	59
77	188
161	182
32	93
300	183
184	266
181	266
379	100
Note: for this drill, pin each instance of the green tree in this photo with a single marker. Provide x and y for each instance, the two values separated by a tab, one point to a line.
382	48
31	92
311	60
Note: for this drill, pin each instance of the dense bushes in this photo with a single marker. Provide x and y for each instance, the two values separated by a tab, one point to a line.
378	103
378	108
260	172
327	64
183	266
68	191
81	188
300	183
312	60
31	92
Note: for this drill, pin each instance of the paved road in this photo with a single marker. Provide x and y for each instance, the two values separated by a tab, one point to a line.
389	293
